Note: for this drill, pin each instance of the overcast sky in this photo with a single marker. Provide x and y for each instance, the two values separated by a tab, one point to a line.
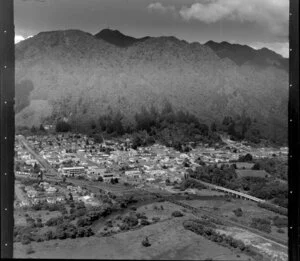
258	23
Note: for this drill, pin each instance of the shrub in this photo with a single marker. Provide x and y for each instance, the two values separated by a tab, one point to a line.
80	232
17	238
25	240
79	212
88	232
261	224
145	222
246	158
61	234
39	239
48	235
141	215
155	219
155	207
83	222
238	212
280	230
177	214
280	222
131	220
146	242
29	250
54	221
109	223
124	227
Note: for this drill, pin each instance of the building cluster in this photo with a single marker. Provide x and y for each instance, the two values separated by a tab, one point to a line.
44	192
25	163
78	156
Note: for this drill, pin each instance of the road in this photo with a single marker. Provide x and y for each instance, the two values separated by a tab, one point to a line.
40	159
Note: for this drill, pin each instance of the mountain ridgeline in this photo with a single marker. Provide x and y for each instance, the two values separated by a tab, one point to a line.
80	77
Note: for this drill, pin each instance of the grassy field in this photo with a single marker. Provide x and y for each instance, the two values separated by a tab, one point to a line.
168	238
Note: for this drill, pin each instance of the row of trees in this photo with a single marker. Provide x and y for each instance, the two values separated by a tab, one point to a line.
211	234
167	126
275	209
154	121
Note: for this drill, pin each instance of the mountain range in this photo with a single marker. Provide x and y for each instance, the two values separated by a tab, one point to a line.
79	76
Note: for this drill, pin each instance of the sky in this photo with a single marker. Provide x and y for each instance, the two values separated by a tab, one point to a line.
257	23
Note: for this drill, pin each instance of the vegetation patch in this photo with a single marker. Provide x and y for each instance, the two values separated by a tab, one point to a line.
224	240
261	224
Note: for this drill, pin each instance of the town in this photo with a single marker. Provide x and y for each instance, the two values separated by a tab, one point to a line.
78	156
60	168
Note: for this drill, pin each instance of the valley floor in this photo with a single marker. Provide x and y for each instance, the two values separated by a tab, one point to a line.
169	240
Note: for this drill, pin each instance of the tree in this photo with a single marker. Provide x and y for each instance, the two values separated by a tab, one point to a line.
256	166
36	168
62	126
97	138
42	128
33	129
177	214
146	242
48	235
213	127
238	212
93	124
117	125
168	182
246	158
227	121
145	222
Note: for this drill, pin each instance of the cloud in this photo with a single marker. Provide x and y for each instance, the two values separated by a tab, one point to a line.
158	7
274	14
281	48
19	38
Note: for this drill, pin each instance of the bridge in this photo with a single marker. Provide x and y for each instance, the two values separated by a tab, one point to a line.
231	192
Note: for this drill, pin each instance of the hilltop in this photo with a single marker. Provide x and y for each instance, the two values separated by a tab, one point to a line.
115	37
243	54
